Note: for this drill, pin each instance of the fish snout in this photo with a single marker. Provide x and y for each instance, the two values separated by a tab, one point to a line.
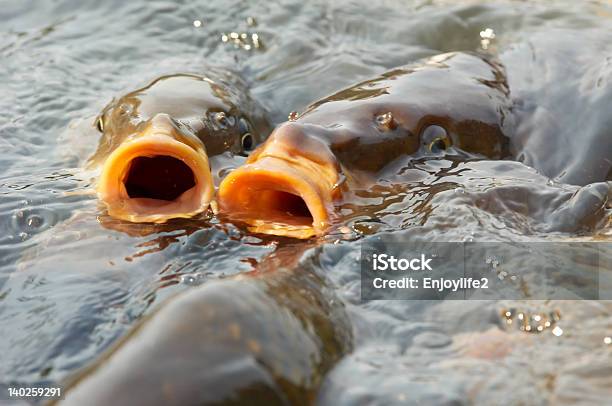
287	187
159	173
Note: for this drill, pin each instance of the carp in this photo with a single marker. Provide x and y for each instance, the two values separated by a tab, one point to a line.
455	103
157	140
266	337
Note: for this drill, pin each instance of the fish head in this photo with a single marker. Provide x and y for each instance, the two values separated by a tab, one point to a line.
157	173
157	141
288	185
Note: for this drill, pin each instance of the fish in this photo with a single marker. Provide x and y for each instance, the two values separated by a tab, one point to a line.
156	143
264	337
450	104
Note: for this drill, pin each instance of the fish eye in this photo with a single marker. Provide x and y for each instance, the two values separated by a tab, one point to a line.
100	124
247	142
435	139
438	145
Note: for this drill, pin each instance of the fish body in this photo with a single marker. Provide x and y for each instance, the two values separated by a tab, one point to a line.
267	338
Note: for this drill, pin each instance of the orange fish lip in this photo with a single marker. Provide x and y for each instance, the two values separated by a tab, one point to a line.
113	193
281	196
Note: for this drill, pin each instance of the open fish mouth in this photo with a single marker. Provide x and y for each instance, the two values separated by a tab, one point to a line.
154	178
281	196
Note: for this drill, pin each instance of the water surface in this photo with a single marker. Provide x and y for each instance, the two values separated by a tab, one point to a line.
73	280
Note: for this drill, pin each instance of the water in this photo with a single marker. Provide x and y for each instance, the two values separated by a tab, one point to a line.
72	280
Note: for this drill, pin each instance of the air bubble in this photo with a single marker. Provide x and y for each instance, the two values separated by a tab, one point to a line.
188	279
31	221
35	221
244	40
192	279
486	38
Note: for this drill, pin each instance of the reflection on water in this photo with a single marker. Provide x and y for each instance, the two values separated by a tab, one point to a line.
533	322
73	280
